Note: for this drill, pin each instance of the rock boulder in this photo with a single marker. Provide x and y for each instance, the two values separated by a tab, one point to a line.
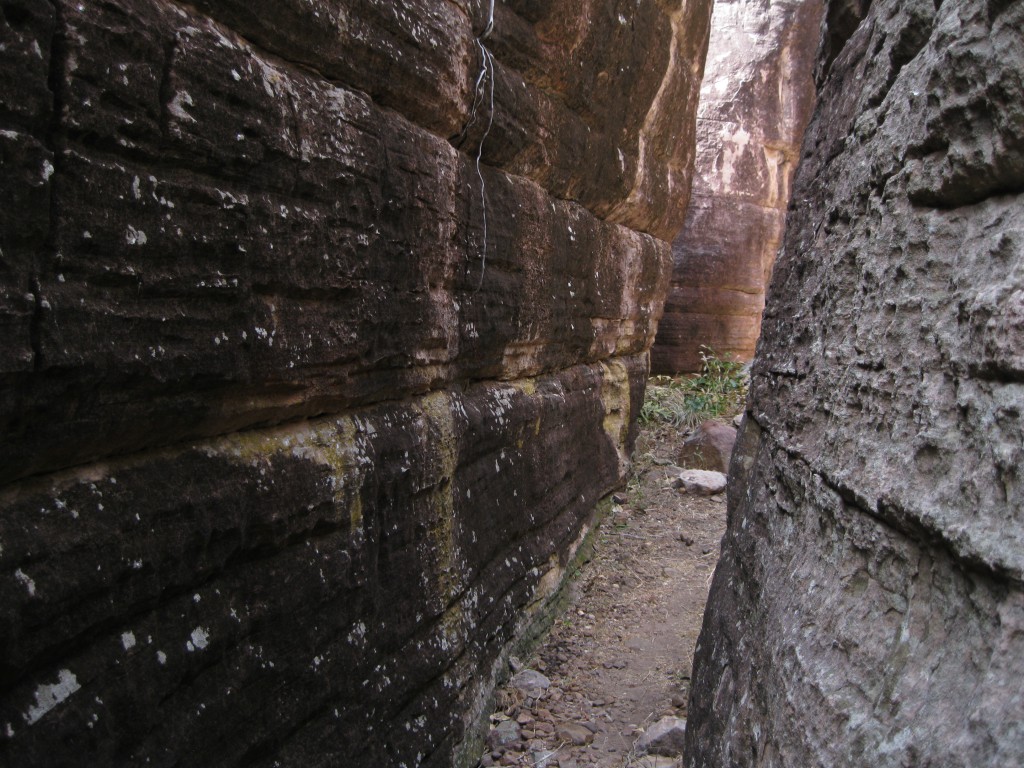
665	737
868	608
709	447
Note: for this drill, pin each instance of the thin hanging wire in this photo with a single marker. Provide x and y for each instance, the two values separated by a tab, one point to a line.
488	59
490	24
481	94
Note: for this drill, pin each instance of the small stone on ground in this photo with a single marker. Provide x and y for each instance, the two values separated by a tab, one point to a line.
503	733
531	682
666	737
702	482
575	734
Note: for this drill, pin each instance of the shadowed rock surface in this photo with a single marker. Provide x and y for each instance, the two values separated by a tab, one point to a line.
868	608
304	411
756	99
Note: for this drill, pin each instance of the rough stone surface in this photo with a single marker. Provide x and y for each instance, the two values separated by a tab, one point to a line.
503	733
575	734
307	305
868	608
709	447
304	410
665	737
756	99
703	482
530	682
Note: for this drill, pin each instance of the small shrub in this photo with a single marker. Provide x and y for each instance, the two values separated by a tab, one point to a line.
719	390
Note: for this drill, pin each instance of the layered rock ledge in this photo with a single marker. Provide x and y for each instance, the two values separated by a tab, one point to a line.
325	328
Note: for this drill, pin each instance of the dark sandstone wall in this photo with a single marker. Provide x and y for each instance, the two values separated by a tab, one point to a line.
868	609
303	410
756	99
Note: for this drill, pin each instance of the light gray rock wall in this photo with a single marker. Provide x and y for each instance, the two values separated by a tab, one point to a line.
868	608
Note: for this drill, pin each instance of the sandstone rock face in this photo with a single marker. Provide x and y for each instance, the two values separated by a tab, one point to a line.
755	101
868	609
325	325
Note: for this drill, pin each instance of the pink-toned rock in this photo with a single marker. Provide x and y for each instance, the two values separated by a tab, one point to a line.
756	98
576	734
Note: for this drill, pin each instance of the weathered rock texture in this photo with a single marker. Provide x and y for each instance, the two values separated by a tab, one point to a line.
305	408
709	447
755	100
868	609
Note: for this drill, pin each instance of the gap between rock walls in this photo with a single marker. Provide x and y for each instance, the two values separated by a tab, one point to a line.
328	431
608	685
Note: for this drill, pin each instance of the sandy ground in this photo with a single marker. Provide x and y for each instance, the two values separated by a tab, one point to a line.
620	658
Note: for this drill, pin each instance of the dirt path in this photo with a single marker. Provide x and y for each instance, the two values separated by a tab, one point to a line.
620	658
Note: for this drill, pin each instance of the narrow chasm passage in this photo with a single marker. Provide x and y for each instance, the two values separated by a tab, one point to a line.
609	685
755	100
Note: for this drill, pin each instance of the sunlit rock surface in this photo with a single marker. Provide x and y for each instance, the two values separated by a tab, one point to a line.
756	99
305	407
868	608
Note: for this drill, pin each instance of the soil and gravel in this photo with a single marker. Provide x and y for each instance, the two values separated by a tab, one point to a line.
619	659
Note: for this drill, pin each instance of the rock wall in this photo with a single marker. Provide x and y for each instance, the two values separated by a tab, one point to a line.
755	100
325	326
868	609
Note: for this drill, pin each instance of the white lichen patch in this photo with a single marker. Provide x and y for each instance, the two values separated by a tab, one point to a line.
199	640
357	636
135	236
26	581
49	696
128	640
734	146
615	396
177	106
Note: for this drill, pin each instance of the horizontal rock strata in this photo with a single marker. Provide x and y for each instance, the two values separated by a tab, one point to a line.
325	327
756	99
309	593
869	608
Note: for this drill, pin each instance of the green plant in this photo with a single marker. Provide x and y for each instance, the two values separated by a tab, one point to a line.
685	401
